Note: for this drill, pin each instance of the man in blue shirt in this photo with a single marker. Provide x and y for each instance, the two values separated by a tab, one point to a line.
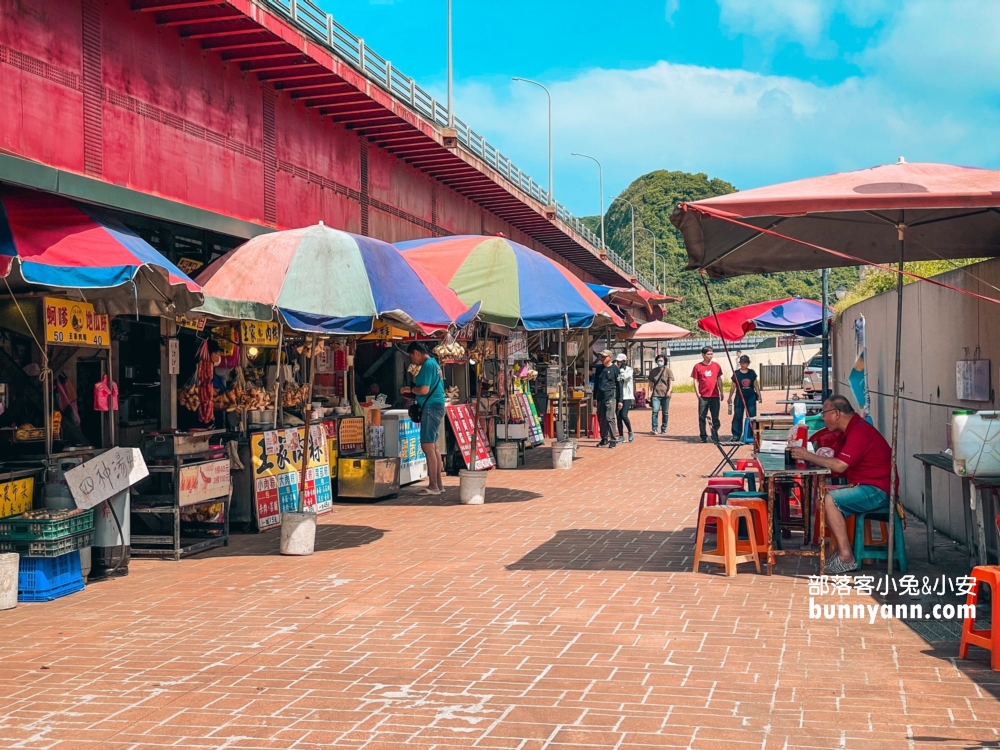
428	391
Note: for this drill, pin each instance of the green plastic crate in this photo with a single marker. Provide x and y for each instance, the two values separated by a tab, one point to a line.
48	547
64	523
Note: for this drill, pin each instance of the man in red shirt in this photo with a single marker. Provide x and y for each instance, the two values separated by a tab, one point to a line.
866	459
707	377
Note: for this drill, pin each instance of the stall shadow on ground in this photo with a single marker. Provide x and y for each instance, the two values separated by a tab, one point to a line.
494	495
611	549
329	538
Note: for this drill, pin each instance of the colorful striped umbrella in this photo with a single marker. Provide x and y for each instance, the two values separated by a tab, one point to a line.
514	283
325	280
50	241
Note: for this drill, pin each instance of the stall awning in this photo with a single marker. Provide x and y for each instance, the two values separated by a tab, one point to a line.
46	240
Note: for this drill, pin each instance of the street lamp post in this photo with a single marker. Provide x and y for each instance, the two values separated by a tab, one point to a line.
632	209
451	109
600	182
552	201
650	233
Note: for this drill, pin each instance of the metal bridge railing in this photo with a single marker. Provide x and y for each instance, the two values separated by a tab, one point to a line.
321	27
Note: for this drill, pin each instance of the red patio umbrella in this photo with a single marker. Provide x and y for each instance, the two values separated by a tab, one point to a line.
892	213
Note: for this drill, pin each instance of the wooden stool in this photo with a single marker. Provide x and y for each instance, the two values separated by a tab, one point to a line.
726	553
988	639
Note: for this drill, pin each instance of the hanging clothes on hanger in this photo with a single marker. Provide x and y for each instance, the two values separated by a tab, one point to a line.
106	395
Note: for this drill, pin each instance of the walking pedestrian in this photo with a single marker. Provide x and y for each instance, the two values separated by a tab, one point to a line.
707	376
608	395
627	399
746	390
661	387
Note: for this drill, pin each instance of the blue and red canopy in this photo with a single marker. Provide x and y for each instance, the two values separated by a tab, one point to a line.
802	317
50	241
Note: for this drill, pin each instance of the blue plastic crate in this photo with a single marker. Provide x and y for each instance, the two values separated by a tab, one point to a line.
42	579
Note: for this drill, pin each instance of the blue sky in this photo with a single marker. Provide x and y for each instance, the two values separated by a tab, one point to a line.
751	91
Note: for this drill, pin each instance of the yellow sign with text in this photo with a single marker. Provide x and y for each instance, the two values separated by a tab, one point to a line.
15	496
258	333
74	323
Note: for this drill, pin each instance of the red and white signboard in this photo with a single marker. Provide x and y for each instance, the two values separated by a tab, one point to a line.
202	482
462	417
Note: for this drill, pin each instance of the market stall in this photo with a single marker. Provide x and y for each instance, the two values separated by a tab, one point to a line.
536	309
70	275
322	442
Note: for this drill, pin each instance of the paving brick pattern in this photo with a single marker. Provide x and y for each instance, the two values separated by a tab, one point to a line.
562	614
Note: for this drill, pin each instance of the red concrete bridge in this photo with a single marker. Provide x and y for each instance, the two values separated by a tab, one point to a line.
239	116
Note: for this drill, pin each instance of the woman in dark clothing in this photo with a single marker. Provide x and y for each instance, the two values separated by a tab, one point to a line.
746	390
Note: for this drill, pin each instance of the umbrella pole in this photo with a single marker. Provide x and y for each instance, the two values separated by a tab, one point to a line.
276	412
894	475
47	398
308	413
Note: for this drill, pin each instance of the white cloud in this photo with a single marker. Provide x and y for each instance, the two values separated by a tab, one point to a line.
928	93
748	128
672	7
802	20
948	45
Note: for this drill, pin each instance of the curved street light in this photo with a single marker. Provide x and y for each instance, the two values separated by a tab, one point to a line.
600	182
552	201
632	208
650	233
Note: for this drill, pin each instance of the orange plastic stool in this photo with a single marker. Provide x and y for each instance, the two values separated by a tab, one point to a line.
716	492
758	509
727	517
988	639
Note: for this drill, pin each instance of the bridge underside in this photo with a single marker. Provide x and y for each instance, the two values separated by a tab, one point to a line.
227	109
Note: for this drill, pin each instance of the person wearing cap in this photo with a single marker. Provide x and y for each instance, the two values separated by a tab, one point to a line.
608	395
627	397
661	388
746	390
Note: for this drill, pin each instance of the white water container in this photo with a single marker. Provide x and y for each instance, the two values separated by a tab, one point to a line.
975	439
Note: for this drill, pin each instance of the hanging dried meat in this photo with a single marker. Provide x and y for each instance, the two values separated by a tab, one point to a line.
206	371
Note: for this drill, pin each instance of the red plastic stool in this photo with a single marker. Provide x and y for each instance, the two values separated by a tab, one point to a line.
595	426
988	639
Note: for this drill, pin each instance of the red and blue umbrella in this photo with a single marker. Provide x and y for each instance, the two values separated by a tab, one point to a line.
50	241
328	281
794	315
515	284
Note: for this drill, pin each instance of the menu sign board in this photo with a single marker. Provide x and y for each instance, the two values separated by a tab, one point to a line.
352	436
462	418
15	496
74	323
201	482
277	458
258	333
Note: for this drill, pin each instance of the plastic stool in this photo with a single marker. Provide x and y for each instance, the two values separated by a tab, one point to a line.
750	476
716	492
880	552
595	426
988	639
758	509
727	517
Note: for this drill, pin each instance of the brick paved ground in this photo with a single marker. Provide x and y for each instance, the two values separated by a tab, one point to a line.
564	613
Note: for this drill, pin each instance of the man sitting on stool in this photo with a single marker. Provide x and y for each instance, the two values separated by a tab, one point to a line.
866	458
